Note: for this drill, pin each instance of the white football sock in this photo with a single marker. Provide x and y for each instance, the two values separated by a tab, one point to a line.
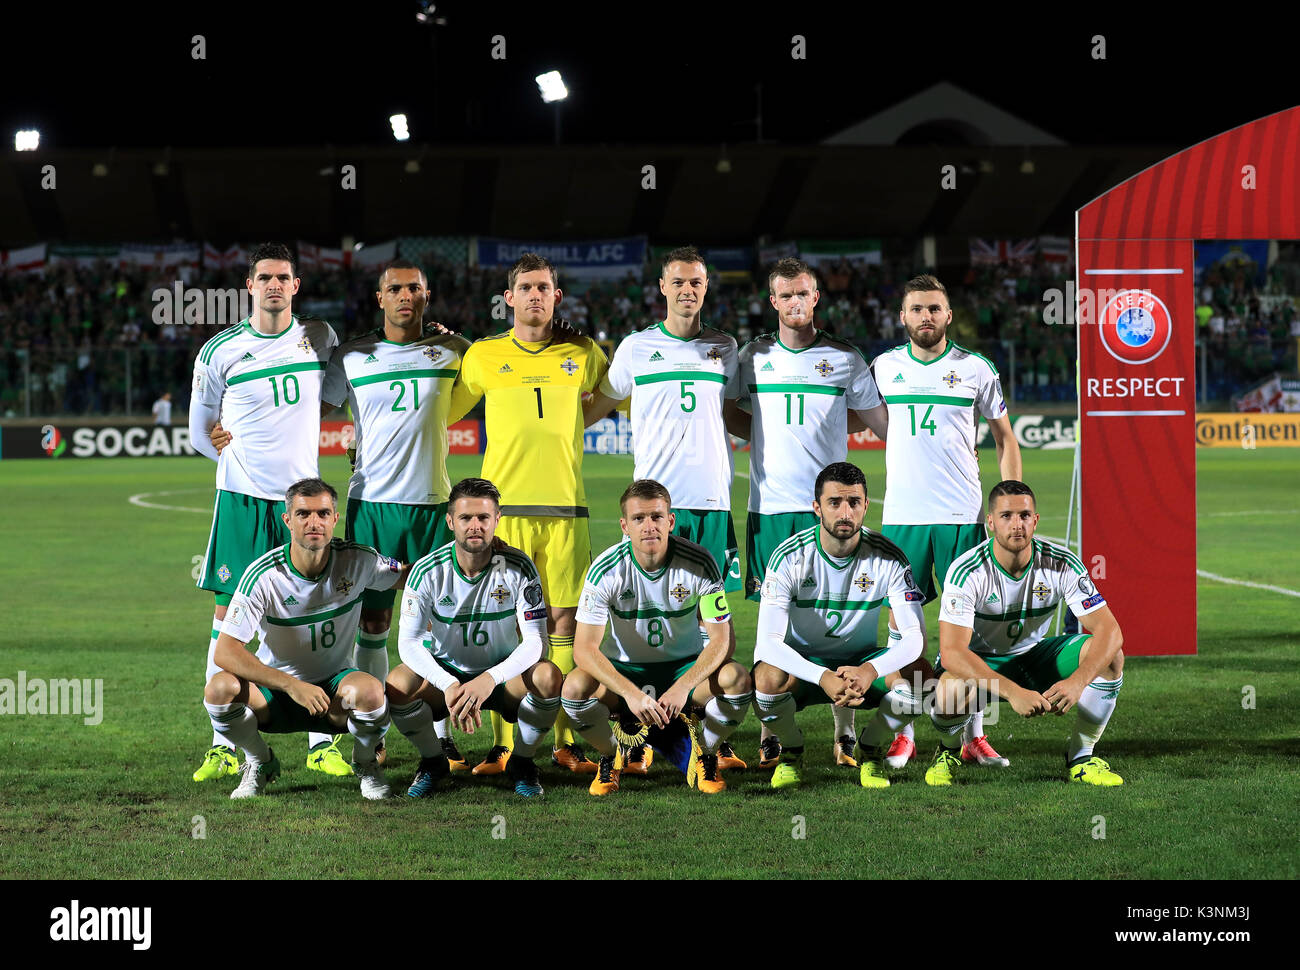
535	718
949	728
442	728
212	671
315	737
722	715
843	721
909	731
591	720
415	721
367	729
235	725
777	711
975	726
371	654
1096	704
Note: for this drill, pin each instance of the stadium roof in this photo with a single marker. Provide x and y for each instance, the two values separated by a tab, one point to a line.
943	114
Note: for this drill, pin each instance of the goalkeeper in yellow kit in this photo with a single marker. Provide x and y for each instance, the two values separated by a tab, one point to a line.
534	384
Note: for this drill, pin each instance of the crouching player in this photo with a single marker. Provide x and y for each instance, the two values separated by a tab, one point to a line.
472	594
651	589
304	601
998	601
818	620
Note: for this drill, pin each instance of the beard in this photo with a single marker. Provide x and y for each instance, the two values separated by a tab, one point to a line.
927	341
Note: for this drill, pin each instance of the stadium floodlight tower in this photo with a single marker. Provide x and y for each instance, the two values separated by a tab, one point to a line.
27	140
400	131
553	92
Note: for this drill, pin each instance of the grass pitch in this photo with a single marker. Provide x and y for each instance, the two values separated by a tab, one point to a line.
97	587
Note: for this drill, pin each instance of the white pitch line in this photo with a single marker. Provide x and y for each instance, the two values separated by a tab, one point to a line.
1254	512
1204	574
140	501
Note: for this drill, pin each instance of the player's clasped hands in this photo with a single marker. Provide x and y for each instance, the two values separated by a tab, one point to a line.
1030	703
315	700
646	709
1063	695
465	702
840	689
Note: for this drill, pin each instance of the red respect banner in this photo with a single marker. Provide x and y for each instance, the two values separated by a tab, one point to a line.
463	437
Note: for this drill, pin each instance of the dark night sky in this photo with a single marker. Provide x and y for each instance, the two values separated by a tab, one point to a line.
308	74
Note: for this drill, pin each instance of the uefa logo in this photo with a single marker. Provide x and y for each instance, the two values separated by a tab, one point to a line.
1135	327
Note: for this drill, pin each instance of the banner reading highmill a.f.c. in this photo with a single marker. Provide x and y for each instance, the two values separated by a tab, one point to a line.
1137	403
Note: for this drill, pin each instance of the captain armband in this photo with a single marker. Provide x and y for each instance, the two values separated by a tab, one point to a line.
714	607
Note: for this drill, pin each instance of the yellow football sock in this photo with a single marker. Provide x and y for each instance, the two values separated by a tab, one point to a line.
562	657
503	732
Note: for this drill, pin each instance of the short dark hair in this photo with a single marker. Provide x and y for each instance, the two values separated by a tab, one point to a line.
923	284
531	262
1011	487
307	487
790	268
400	264
645	489
844	472
270	250
682	254
473	488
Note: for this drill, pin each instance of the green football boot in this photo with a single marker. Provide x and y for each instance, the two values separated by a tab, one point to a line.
943	767
327	758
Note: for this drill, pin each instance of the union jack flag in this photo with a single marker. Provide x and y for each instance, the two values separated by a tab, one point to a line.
989	252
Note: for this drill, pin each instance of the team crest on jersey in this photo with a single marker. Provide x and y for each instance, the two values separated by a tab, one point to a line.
433	353
1135	327
569	366
755	585
864	582
656	357
290	600
824	367
223	573
345	585
714	354
679	592
305	344
1041	590
951	379
500	594
505	369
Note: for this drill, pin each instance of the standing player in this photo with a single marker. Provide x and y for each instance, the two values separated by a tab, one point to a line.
302	601
655	589
936	392
261	379
998	601
803	387
819	617
534	384
472	595
397	381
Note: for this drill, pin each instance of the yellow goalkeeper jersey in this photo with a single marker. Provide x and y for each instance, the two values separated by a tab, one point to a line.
534	418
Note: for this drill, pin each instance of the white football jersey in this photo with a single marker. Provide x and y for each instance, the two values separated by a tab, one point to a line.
653	617
677	387
268	389
800	400
1010	615
932	475
475	622
307	626
400	396
834	604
